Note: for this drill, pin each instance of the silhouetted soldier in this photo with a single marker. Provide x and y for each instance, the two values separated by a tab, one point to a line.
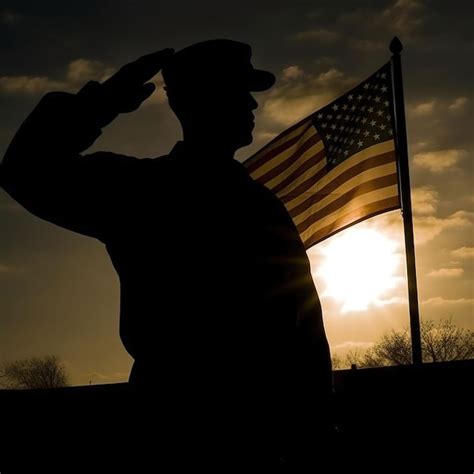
214	277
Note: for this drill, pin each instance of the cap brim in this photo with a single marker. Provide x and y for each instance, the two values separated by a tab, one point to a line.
261	80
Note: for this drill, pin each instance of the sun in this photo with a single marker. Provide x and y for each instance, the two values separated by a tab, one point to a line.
359	268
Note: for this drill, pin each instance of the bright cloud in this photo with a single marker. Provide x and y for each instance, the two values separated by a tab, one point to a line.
423	109
424	200
440	301
463	252
458	104
429	227
292	72
440	160
447	272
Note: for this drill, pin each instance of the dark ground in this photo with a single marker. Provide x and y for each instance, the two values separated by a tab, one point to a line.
394	419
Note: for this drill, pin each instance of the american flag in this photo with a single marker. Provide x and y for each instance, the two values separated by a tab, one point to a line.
338	166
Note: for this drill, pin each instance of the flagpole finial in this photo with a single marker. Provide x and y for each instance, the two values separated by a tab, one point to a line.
396	45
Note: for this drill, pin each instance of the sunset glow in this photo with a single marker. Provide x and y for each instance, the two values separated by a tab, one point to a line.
359	268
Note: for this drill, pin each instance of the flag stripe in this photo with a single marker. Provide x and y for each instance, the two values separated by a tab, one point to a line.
298	162
305	218
325	217
288	138
354	217
323	177
315	172
308	138
371	168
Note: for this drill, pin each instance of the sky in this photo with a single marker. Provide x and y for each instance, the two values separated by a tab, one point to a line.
59	293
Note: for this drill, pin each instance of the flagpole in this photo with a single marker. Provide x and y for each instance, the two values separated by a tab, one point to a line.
404	177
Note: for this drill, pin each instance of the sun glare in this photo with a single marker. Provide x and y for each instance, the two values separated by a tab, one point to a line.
359	268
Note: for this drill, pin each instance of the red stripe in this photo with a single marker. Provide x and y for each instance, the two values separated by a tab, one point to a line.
370	210
364	188
276	170
260	157
370	163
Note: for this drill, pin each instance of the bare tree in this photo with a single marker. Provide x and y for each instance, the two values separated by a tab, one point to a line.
336	362
442	341
44	372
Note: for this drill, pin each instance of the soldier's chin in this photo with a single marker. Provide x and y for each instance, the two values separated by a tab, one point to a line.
245	139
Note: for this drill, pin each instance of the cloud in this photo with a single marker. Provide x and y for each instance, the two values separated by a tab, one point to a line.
292	72
294	100
446	272
439	161
429	227
463	252
458	104
83	70
29	85
424	200
78	72
404	16
440	301
423	109
322	35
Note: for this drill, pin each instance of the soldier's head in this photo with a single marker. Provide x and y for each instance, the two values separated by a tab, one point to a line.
209	87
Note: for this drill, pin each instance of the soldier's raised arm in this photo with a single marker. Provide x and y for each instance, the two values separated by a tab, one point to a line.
43	169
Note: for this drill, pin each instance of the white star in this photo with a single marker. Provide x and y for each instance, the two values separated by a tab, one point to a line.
333	126
324	125
350	96
384	88
386	103
344	107
364	120
363	108
383	75
358	131
335	107
341	128
376	86
329	116
347	117
382	126
346	152
373	123
380	113
351	142
390	132
357	118
320	116
371	109
376	136
360	143
359	97
328	136
353	108
366	133
377	99
366	85
338	117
